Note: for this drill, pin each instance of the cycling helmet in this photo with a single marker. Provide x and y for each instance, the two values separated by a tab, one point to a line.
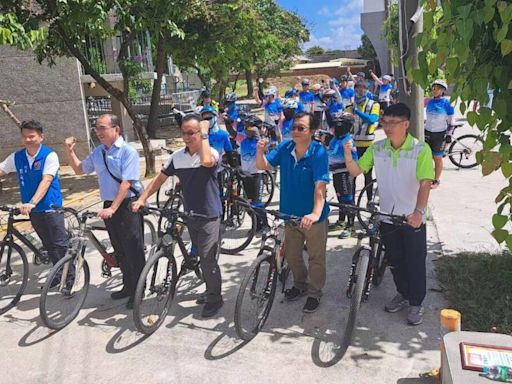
344	78
361	75
290	103
316	87
290	93
250	120
441	83
386	77
231	97
335	81
209	109
305	82
329	93
270	92
205	94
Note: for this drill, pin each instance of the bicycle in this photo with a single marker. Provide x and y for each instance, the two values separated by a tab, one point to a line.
462	150
368	264
157	283
238	223
362	201
66	287
258	287
171	188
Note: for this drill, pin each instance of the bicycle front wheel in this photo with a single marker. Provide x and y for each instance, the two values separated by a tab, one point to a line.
13	275
155	291
362	257
64	292
150	236
237	228
255	296
462	152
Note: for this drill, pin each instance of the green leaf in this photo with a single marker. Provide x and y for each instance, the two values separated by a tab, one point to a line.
487	167
502	33
472	117
489	13
506	169
506	14
500	235
506	47
499	221
509	242
451	65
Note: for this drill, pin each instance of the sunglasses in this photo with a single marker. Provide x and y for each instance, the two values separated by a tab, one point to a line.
189	133
298	128
208	118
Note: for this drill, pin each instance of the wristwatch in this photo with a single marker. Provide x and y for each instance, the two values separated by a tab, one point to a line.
204	136
422	211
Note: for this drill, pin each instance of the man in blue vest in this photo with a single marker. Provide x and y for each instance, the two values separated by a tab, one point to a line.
37	168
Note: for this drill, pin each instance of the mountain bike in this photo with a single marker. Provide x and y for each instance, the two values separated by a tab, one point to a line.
258	288
462	150
368	263
157	282
238	223
66	287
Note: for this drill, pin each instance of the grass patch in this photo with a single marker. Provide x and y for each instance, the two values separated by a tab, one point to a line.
479	286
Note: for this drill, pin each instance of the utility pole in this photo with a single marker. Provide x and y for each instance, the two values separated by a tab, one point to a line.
411	93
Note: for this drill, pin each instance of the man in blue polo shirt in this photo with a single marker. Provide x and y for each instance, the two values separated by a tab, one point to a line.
304	176
37	168
196	166
306	97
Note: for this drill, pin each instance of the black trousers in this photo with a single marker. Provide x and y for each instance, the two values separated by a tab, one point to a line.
125	230
367	176
406	249
205	236
343	185
51	229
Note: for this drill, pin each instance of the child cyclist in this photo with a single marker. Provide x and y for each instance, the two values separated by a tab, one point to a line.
342	125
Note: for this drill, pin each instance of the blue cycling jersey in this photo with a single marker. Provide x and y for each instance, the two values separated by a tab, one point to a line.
439	112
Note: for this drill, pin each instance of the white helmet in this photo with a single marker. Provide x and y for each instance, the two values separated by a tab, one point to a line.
386	77
272	91
290	103
441	83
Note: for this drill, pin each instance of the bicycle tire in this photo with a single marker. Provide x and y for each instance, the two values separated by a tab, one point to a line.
362	197
380	264
362	259
236	227
166	189
149	234
265	264
164	294
268	188
49	293
472	140
6	303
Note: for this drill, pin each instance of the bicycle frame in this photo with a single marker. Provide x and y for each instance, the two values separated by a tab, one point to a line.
12	233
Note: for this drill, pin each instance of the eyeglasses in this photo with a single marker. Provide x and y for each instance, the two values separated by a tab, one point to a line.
189	133
298	128
388	123
102	129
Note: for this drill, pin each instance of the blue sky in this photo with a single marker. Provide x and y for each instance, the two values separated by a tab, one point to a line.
333	24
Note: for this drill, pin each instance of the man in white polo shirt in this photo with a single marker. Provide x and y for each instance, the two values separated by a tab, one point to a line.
404	170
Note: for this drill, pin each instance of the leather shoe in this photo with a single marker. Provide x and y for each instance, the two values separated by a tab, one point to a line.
118	295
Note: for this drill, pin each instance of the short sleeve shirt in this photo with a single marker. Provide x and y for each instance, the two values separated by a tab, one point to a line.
199	183
439	111
299	177
123	162
305	97
51	164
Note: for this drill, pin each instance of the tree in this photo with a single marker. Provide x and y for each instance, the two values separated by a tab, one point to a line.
67	23
366	49
472	42
315	51
391	34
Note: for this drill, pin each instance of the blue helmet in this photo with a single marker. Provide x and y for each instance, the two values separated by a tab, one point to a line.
209	109
290	93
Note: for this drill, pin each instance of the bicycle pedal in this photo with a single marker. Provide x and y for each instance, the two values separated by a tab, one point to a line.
106	275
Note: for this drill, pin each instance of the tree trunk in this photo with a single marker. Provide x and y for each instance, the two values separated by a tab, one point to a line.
5	106
154	109
250	86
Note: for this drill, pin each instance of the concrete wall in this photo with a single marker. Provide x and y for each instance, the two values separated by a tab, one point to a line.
50	95
371	24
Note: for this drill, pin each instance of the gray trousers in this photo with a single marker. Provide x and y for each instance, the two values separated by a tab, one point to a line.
205	236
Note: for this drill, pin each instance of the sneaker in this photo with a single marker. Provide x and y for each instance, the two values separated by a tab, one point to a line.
294	293
337	226
396	304
311	305
415	315
122	294
345	234
211	309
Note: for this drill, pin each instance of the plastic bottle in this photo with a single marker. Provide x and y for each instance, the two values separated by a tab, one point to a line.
500	373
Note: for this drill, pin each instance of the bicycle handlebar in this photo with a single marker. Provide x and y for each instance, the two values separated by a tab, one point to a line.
14	210
396	219
292	219
74	212
167	212
169	151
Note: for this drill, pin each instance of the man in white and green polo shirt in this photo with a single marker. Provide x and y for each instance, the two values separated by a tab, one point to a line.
404	170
